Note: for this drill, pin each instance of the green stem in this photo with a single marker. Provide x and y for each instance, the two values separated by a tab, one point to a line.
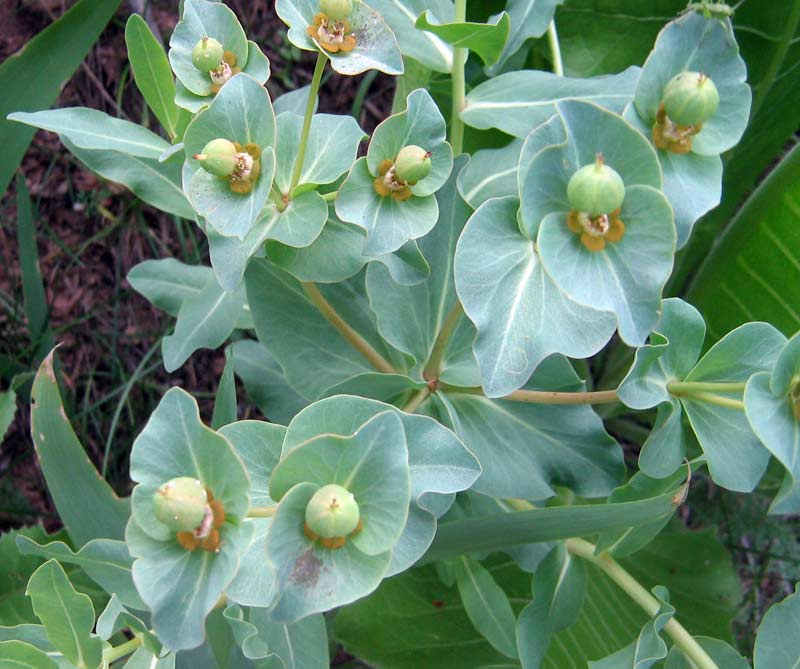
555	49
680	387
113	654
434	365
639	594
351	336
543	396
330	197
711	398
459	86
261	511
416	400
790	27
316	80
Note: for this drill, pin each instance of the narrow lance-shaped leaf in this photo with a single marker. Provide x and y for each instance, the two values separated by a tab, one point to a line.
485	39
67	615
97	512
153	75
486	605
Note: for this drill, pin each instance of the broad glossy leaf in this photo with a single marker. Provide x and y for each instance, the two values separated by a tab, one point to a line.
106	561
390	224
771	411
144	659
312	353
116	617
525	449
777	645
372	463
529	18
95	130
439	464
21	655
485	39
301	645
265	382
424	47
167	283
15	569
719	651
204	19
258	444
67	615
312	578
753	273
695	43
293	102
626	277
490	173
521	315
692	183
8	408
376	47
241	112
66	467
297	226
736	458
205	320
559	587
50	58
415	620
486	605
649	647
180	586
155	182
518	102
153	75
331	149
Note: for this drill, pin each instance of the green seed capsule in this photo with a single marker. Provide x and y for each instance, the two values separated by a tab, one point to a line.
412	164
218	157
207	54
181	503
332	512
690	98
338	10
596	189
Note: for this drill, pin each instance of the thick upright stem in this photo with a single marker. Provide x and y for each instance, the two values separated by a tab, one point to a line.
639	594
353	338
686	387
433	367
555	49
543	396
117	652
316	80
459	86
261	511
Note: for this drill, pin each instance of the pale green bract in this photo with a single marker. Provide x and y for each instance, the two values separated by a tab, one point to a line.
424	333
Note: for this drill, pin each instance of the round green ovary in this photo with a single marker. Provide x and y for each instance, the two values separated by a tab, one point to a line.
690	98
218	157
596	189
181	503
207	54
412	164
332	512
338	10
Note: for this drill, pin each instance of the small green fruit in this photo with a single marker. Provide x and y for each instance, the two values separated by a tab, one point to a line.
218	157
412	164
596	189
690	98
338	10
207	54
332	512
181	503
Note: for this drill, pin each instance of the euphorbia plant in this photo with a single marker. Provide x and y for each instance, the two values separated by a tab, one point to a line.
406	321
